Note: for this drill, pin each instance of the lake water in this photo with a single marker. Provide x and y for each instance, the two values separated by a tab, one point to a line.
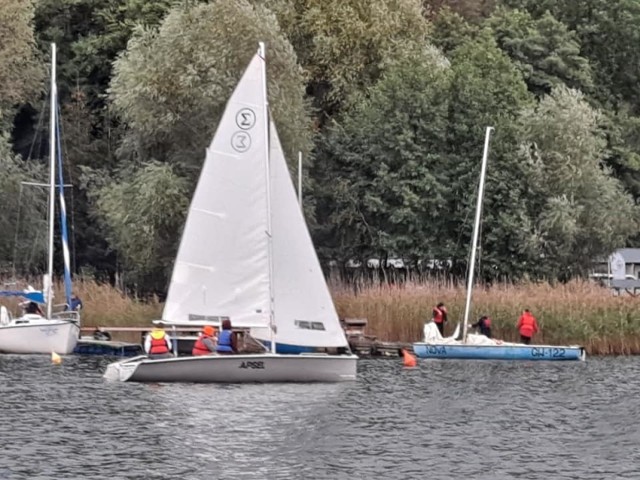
443	420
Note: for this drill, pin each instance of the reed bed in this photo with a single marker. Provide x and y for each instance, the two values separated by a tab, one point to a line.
107	306
103	304
579	312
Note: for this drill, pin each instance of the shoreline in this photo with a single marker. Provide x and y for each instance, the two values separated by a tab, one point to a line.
576	313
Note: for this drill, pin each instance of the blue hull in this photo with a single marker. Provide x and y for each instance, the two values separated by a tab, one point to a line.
106	349
499	352
290	349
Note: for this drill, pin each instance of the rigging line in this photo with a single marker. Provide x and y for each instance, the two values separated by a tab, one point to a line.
466	218
63	140
481	223
30	258
15	240
38	127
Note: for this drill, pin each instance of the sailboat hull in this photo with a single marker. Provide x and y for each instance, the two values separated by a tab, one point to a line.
39	336
289	349
260	368
499	352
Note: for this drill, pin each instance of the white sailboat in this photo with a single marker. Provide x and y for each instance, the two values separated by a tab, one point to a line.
54	331
480	347
246	255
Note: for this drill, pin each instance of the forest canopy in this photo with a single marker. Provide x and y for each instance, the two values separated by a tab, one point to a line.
387	101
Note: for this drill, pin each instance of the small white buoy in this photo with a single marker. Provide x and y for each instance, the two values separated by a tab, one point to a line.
55	358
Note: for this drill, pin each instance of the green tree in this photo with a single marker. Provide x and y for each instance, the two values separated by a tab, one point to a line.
143	213
21	73
486	90
623	136
83	148
581	211
89	35
23	226
382	180
171	85
608	35
410	150
543	49
344	44
450	30
609	38
472	10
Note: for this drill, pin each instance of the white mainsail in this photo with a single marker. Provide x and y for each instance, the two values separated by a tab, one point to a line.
246	254
303	308
222	266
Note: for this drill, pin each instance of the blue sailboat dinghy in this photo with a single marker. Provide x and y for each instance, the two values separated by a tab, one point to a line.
479	347
50	331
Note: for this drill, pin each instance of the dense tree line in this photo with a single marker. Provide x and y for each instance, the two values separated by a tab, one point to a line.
387	100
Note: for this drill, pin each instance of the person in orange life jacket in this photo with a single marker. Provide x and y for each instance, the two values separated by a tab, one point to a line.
484	326
527	326
157	344
227	340
206	343
439	317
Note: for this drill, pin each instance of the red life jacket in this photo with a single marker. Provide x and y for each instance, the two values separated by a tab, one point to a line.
527	325
158	346
439	314
199	348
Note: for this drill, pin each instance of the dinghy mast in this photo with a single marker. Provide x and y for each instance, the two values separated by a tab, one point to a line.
52	178
267	146
476	228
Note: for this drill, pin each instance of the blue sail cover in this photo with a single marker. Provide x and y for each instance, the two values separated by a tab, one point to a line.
63	217
33	295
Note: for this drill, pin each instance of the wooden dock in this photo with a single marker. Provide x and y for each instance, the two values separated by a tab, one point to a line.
355	330
365	345
99	340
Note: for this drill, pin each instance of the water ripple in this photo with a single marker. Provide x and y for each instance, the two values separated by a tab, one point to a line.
443	420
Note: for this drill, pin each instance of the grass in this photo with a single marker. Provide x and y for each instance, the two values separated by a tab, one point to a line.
578	312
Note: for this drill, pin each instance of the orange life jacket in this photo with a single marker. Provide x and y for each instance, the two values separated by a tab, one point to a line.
527	325
158	346
439	314
199	348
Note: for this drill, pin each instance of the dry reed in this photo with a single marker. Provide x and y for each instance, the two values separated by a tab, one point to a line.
103	305
578	312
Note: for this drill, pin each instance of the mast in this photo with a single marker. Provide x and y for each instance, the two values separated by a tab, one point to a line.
52	181
300	179
64	236
272	326
476	229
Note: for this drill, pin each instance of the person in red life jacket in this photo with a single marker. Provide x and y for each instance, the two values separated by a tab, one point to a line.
484	326
527	326
227	342
439	316
157	344
206	343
